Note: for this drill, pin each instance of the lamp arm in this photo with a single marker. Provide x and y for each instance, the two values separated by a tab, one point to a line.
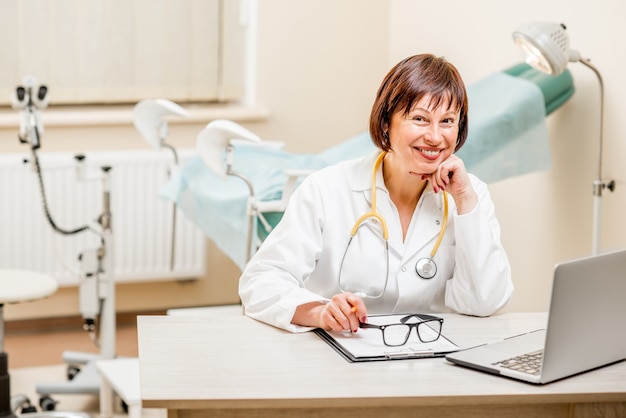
598	185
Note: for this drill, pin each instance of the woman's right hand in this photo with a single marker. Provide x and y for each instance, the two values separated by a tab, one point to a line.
343	312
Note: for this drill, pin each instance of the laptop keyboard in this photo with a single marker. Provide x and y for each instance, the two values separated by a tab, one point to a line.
526	363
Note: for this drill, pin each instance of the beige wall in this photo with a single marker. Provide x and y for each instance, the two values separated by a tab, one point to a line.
319	64
546	217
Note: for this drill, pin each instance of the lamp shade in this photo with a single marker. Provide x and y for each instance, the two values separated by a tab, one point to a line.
546	46
215	137
149	120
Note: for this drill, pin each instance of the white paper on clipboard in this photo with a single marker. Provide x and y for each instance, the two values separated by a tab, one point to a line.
368	345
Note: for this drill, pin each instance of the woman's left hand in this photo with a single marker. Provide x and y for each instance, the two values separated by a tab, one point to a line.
452	177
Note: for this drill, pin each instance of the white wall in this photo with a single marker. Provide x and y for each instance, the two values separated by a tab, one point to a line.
319	64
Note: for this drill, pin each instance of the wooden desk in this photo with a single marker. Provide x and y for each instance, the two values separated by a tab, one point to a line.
234	366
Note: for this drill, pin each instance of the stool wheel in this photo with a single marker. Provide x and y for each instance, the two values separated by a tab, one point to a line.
20	402
72	371
46	403
29	409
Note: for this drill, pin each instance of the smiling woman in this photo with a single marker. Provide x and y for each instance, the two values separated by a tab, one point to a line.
123	51
302	278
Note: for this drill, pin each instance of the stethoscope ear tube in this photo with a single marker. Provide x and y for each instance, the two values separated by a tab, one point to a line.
426	267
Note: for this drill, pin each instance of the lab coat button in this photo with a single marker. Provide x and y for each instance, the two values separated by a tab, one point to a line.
404	269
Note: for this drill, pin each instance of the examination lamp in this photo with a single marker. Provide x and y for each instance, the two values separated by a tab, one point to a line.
546	47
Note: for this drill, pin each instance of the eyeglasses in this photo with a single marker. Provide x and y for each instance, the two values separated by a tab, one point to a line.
428	329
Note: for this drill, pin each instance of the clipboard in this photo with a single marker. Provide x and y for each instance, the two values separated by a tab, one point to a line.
367	344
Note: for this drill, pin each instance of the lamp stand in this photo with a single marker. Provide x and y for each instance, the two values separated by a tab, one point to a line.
598	185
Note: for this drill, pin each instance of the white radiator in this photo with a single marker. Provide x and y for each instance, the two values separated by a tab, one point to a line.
142	221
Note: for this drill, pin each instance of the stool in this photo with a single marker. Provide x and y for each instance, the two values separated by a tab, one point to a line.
17	286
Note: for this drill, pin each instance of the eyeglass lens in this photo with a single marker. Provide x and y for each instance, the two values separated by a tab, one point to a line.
398	334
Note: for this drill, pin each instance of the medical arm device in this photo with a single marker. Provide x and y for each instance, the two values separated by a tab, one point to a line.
217	138
96	286
29	99
149	120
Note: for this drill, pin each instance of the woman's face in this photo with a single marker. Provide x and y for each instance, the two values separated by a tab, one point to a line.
422	139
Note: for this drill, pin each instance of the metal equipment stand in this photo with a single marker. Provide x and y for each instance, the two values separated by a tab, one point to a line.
82	373
97	284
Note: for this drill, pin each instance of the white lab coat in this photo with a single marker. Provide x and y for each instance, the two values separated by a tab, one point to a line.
300	260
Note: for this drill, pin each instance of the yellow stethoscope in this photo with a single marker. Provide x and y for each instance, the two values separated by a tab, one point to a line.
426	268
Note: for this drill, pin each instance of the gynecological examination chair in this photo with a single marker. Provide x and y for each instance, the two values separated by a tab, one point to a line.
230	186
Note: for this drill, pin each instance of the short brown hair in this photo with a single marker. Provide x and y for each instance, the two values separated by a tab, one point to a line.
407	83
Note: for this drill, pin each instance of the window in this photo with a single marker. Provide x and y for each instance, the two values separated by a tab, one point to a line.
122	51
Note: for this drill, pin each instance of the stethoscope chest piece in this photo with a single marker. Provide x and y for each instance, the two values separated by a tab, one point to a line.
426	268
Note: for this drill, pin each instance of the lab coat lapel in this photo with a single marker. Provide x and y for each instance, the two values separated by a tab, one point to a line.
362	178
362	183
426	225
427	219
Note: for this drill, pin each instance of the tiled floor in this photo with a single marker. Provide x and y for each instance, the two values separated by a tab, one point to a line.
36	357
24	381
44	348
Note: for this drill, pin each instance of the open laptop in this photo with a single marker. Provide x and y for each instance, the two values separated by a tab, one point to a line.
586	326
